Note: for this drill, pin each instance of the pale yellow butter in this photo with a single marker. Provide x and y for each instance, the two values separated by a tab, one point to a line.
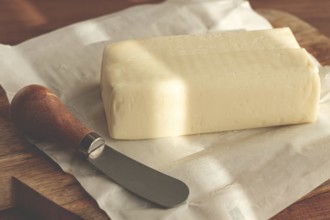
182	85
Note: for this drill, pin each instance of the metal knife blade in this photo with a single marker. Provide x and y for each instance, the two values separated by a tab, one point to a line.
39	113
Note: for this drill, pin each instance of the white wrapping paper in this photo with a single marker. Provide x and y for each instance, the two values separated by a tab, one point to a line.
251	174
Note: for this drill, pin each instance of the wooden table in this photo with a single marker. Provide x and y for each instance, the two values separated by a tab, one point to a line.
23	19
39	186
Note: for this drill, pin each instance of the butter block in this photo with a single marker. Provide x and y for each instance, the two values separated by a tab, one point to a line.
181	85
202	44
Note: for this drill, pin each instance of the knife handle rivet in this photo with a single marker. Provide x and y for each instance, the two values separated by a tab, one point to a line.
91	142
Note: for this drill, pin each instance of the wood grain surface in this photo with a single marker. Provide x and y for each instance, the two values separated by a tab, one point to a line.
35	170
315	12
23	19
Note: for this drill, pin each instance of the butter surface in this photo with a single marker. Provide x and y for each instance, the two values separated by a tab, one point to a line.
182	85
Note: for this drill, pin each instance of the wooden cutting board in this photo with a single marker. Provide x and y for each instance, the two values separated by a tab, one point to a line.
32	184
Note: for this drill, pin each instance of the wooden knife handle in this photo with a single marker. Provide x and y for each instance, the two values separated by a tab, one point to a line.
39	113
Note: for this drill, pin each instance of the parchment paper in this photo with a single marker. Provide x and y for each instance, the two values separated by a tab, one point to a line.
250	174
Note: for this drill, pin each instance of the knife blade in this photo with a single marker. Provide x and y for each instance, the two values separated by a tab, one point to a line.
39	113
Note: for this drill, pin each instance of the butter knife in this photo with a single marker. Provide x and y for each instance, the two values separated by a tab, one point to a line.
39	113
